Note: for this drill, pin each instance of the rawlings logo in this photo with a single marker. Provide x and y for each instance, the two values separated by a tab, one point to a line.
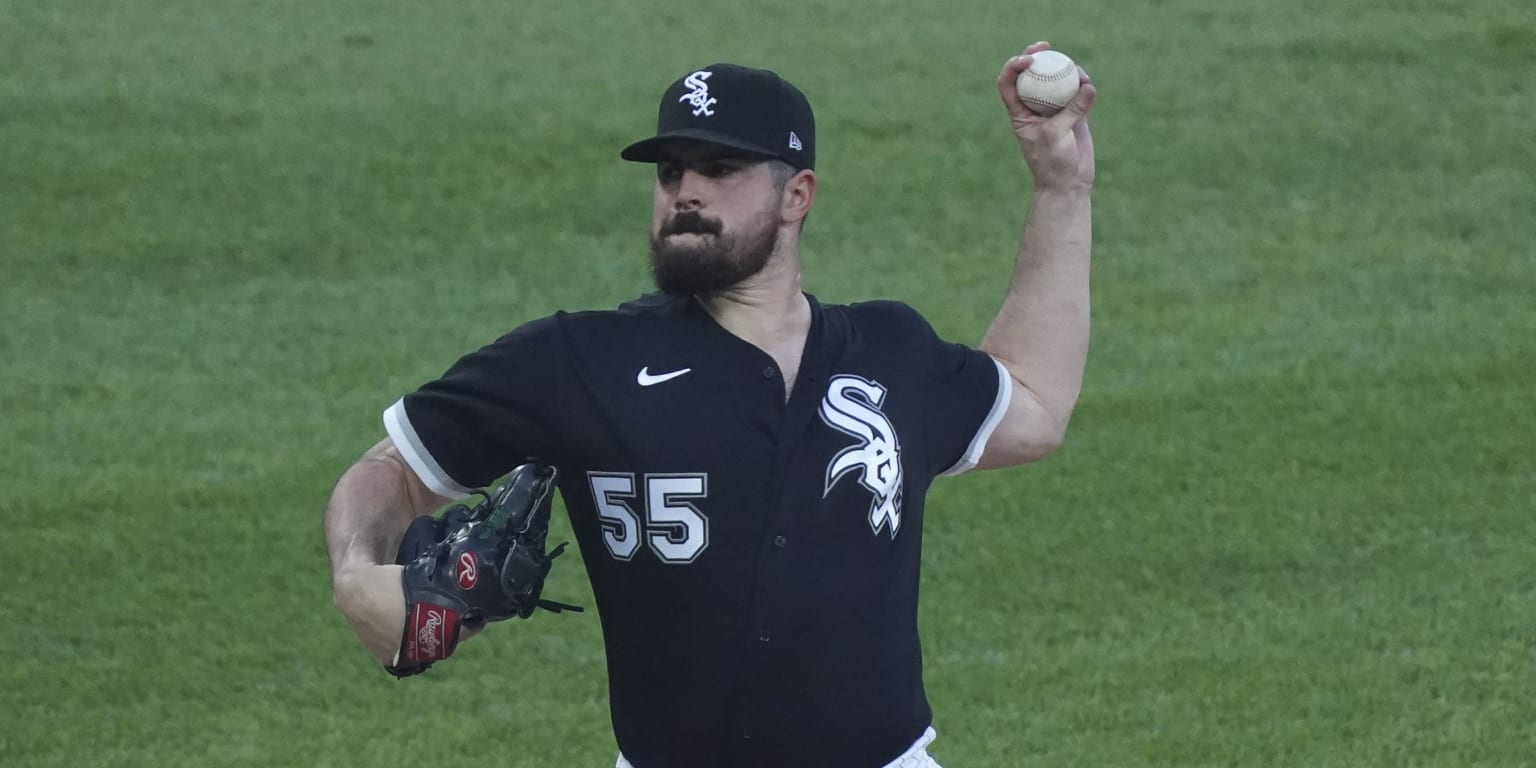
467	571
426	636
852	406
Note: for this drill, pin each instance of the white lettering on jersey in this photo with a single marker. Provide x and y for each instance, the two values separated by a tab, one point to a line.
676	529
698	93
852	406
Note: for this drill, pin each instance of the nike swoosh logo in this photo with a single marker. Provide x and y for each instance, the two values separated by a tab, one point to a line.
646	379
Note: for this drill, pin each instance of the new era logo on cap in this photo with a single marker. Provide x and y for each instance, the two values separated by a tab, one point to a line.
752	110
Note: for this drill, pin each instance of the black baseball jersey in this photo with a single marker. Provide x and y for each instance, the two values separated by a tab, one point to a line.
754	560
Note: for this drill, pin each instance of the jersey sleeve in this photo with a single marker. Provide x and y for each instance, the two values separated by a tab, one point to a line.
489	412
968	393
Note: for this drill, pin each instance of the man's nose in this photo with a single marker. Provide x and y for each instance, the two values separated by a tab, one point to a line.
689	192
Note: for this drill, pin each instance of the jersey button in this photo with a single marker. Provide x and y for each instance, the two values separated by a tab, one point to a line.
779	541
768	372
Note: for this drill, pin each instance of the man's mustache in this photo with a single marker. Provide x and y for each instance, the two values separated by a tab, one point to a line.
690	222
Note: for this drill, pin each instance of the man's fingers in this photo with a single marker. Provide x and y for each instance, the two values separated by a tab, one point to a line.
1084	137
1008	83
1061	123
1008	79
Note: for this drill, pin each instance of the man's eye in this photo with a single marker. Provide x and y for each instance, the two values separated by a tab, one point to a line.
719	169
668	172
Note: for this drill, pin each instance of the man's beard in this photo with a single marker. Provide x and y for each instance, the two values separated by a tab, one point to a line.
714	261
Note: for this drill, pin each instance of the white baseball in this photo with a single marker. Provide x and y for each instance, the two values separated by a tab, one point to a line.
1049	83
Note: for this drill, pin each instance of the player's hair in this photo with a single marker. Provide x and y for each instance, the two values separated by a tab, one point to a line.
781	172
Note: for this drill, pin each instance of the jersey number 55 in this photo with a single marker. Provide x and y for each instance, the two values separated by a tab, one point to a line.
672	526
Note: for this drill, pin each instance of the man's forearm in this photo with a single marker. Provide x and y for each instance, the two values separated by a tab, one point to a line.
370	508
1041	332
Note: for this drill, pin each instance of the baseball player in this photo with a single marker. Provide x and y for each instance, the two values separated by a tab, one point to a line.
744	466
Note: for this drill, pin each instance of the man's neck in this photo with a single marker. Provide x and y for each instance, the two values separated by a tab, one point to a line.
769	311
765	307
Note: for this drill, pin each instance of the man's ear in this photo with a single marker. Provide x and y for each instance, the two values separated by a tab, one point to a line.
799	193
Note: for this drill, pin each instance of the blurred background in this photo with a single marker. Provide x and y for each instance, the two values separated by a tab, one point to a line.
1292	523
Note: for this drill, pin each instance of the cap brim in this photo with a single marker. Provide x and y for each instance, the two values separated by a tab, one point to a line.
649	150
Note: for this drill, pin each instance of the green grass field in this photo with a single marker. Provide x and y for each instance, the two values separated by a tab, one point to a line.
1294	523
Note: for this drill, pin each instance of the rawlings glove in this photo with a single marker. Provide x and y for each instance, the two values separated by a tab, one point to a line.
474	565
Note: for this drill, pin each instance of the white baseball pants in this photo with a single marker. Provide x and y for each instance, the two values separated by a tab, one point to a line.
915	757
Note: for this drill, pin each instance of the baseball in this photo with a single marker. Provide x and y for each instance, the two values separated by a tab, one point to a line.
1049	83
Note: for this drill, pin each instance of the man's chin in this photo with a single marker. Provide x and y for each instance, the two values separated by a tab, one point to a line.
680	269
690	262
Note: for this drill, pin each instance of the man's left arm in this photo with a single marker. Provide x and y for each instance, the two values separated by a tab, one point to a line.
1040	334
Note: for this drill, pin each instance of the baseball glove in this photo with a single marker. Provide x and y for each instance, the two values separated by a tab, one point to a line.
473	565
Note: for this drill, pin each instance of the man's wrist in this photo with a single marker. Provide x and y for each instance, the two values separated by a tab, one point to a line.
1067	192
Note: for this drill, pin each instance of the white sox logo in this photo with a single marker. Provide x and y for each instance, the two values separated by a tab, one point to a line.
852	406
467	571
698	93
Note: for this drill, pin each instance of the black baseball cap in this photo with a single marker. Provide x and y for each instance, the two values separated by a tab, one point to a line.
753	110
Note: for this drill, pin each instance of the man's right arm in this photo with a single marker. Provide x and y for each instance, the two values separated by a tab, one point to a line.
371	506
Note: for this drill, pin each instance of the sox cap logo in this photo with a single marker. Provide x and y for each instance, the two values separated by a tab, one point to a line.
852	406
467	571
698	93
